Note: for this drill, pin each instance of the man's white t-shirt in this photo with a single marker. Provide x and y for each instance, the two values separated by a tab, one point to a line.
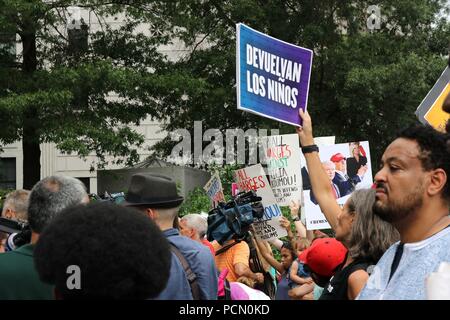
419	259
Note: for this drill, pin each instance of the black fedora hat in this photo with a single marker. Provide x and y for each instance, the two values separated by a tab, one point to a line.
152	190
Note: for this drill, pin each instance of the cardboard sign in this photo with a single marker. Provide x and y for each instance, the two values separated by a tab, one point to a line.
214	189
430	109
283	165
254	178
272	76
345	177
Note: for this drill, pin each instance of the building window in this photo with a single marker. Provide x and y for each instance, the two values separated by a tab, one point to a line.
86	183
8	173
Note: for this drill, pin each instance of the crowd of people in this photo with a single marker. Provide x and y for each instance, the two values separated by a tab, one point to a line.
386	240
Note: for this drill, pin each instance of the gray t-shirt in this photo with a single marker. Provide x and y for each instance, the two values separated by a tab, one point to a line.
418	260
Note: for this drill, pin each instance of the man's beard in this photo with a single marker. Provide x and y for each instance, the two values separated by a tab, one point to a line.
393	211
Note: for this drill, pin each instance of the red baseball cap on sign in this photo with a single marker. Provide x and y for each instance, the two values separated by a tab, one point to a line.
337	157
324	256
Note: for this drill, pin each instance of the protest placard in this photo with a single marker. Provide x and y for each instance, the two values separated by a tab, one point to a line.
342	163
254	178
272	75
306	184
214	189
283	165
430	109
319	141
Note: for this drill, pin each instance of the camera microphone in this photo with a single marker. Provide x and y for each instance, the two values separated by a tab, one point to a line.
18	239
19	233
9	243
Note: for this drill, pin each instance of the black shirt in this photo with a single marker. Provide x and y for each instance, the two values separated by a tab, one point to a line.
337	287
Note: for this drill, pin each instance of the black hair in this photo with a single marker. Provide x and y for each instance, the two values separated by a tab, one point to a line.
121	254
433	150
288	246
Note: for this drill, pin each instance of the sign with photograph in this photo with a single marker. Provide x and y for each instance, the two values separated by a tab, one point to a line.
348	168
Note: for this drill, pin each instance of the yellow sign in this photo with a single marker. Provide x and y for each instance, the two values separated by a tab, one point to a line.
435	116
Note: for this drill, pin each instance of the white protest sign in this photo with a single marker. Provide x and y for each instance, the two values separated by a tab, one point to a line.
325	141
342	163
214	189
254	178
283	165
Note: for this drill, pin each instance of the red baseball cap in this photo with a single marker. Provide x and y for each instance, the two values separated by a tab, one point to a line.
324	256
337	157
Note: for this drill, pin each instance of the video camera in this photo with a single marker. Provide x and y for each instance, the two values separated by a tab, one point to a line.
19	233
116	198
232	220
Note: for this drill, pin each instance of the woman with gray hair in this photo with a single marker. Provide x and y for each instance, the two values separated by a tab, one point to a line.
364	234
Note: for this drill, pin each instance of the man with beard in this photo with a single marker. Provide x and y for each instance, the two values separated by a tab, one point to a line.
412	193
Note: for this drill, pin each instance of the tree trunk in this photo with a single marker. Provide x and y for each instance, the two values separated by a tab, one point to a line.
30	138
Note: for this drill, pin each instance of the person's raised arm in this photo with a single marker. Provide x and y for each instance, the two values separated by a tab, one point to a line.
277	243
320	182
295	214
286	224
269	258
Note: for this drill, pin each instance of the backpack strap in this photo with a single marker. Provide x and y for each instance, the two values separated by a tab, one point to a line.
227	290
190	275
222	250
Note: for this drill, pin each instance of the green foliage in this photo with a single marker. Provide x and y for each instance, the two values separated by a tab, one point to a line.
364	85
3	193
226	174
85	101
196	202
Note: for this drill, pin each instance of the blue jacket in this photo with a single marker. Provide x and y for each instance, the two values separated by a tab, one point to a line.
345	184
202	264
312	197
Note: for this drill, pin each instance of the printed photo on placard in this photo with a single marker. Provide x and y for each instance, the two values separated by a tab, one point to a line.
348	168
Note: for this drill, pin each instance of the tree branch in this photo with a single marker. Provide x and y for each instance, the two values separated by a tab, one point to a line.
222	13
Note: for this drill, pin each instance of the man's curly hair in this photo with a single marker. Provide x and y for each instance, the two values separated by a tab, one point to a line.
433	150
121	253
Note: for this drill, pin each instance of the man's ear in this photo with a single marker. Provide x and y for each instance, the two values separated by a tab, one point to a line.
152	213
438	180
